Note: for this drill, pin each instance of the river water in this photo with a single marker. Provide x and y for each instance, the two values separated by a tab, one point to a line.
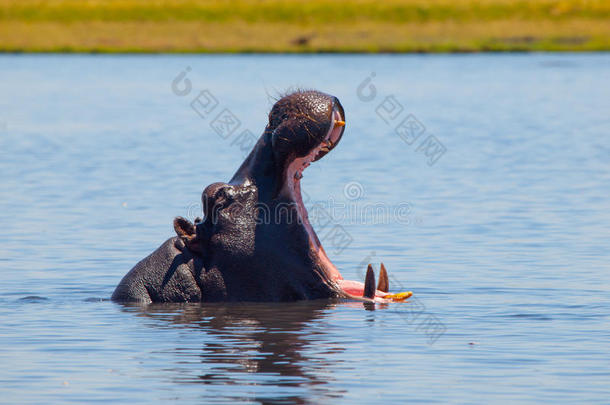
481	181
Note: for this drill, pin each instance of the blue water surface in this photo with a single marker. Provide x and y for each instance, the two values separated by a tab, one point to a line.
481	181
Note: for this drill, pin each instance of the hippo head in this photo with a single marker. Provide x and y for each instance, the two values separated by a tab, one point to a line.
304	126
255	242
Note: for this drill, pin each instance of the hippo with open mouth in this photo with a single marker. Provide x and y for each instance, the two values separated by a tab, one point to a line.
256	242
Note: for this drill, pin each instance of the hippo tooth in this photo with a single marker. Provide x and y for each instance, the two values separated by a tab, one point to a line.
339	123
369	283
384	284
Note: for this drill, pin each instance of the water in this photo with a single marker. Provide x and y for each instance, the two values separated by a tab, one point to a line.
503	239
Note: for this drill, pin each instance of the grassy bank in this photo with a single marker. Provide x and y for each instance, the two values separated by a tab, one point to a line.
292	26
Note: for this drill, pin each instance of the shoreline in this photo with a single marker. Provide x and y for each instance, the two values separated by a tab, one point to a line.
297	53
318	26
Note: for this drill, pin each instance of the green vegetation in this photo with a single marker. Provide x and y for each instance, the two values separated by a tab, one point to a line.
295	26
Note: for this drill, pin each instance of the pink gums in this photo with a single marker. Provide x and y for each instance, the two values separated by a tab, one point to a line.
292	189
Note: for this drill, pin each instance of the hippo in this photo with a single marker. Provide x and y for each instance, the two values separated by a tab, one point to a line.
255	241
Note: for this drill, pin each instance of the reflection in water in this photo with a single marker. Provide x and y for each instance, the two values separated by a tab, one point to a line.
282	347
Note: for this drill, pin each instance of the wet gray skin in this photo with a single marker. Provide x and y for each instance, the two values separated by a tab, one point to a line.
255	242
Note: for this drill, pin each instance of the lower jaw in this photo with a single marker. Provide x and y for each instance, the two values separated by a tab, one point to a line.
355	288
327	266
345	288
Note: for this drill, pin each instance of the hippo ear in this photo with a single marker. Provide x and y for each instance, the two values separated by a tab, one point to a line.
187	233
183	227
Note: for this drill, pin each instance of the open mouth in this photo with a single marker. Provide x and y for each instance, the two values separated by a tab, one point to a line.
293	187
350	288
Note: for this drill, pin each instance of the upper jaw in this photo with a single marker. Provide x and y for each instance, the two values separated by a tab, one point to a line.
334	134
332	137
294	170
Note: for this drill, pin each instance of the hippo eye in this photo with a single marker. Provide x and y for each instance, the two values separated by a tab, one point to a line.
224	196
221	197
